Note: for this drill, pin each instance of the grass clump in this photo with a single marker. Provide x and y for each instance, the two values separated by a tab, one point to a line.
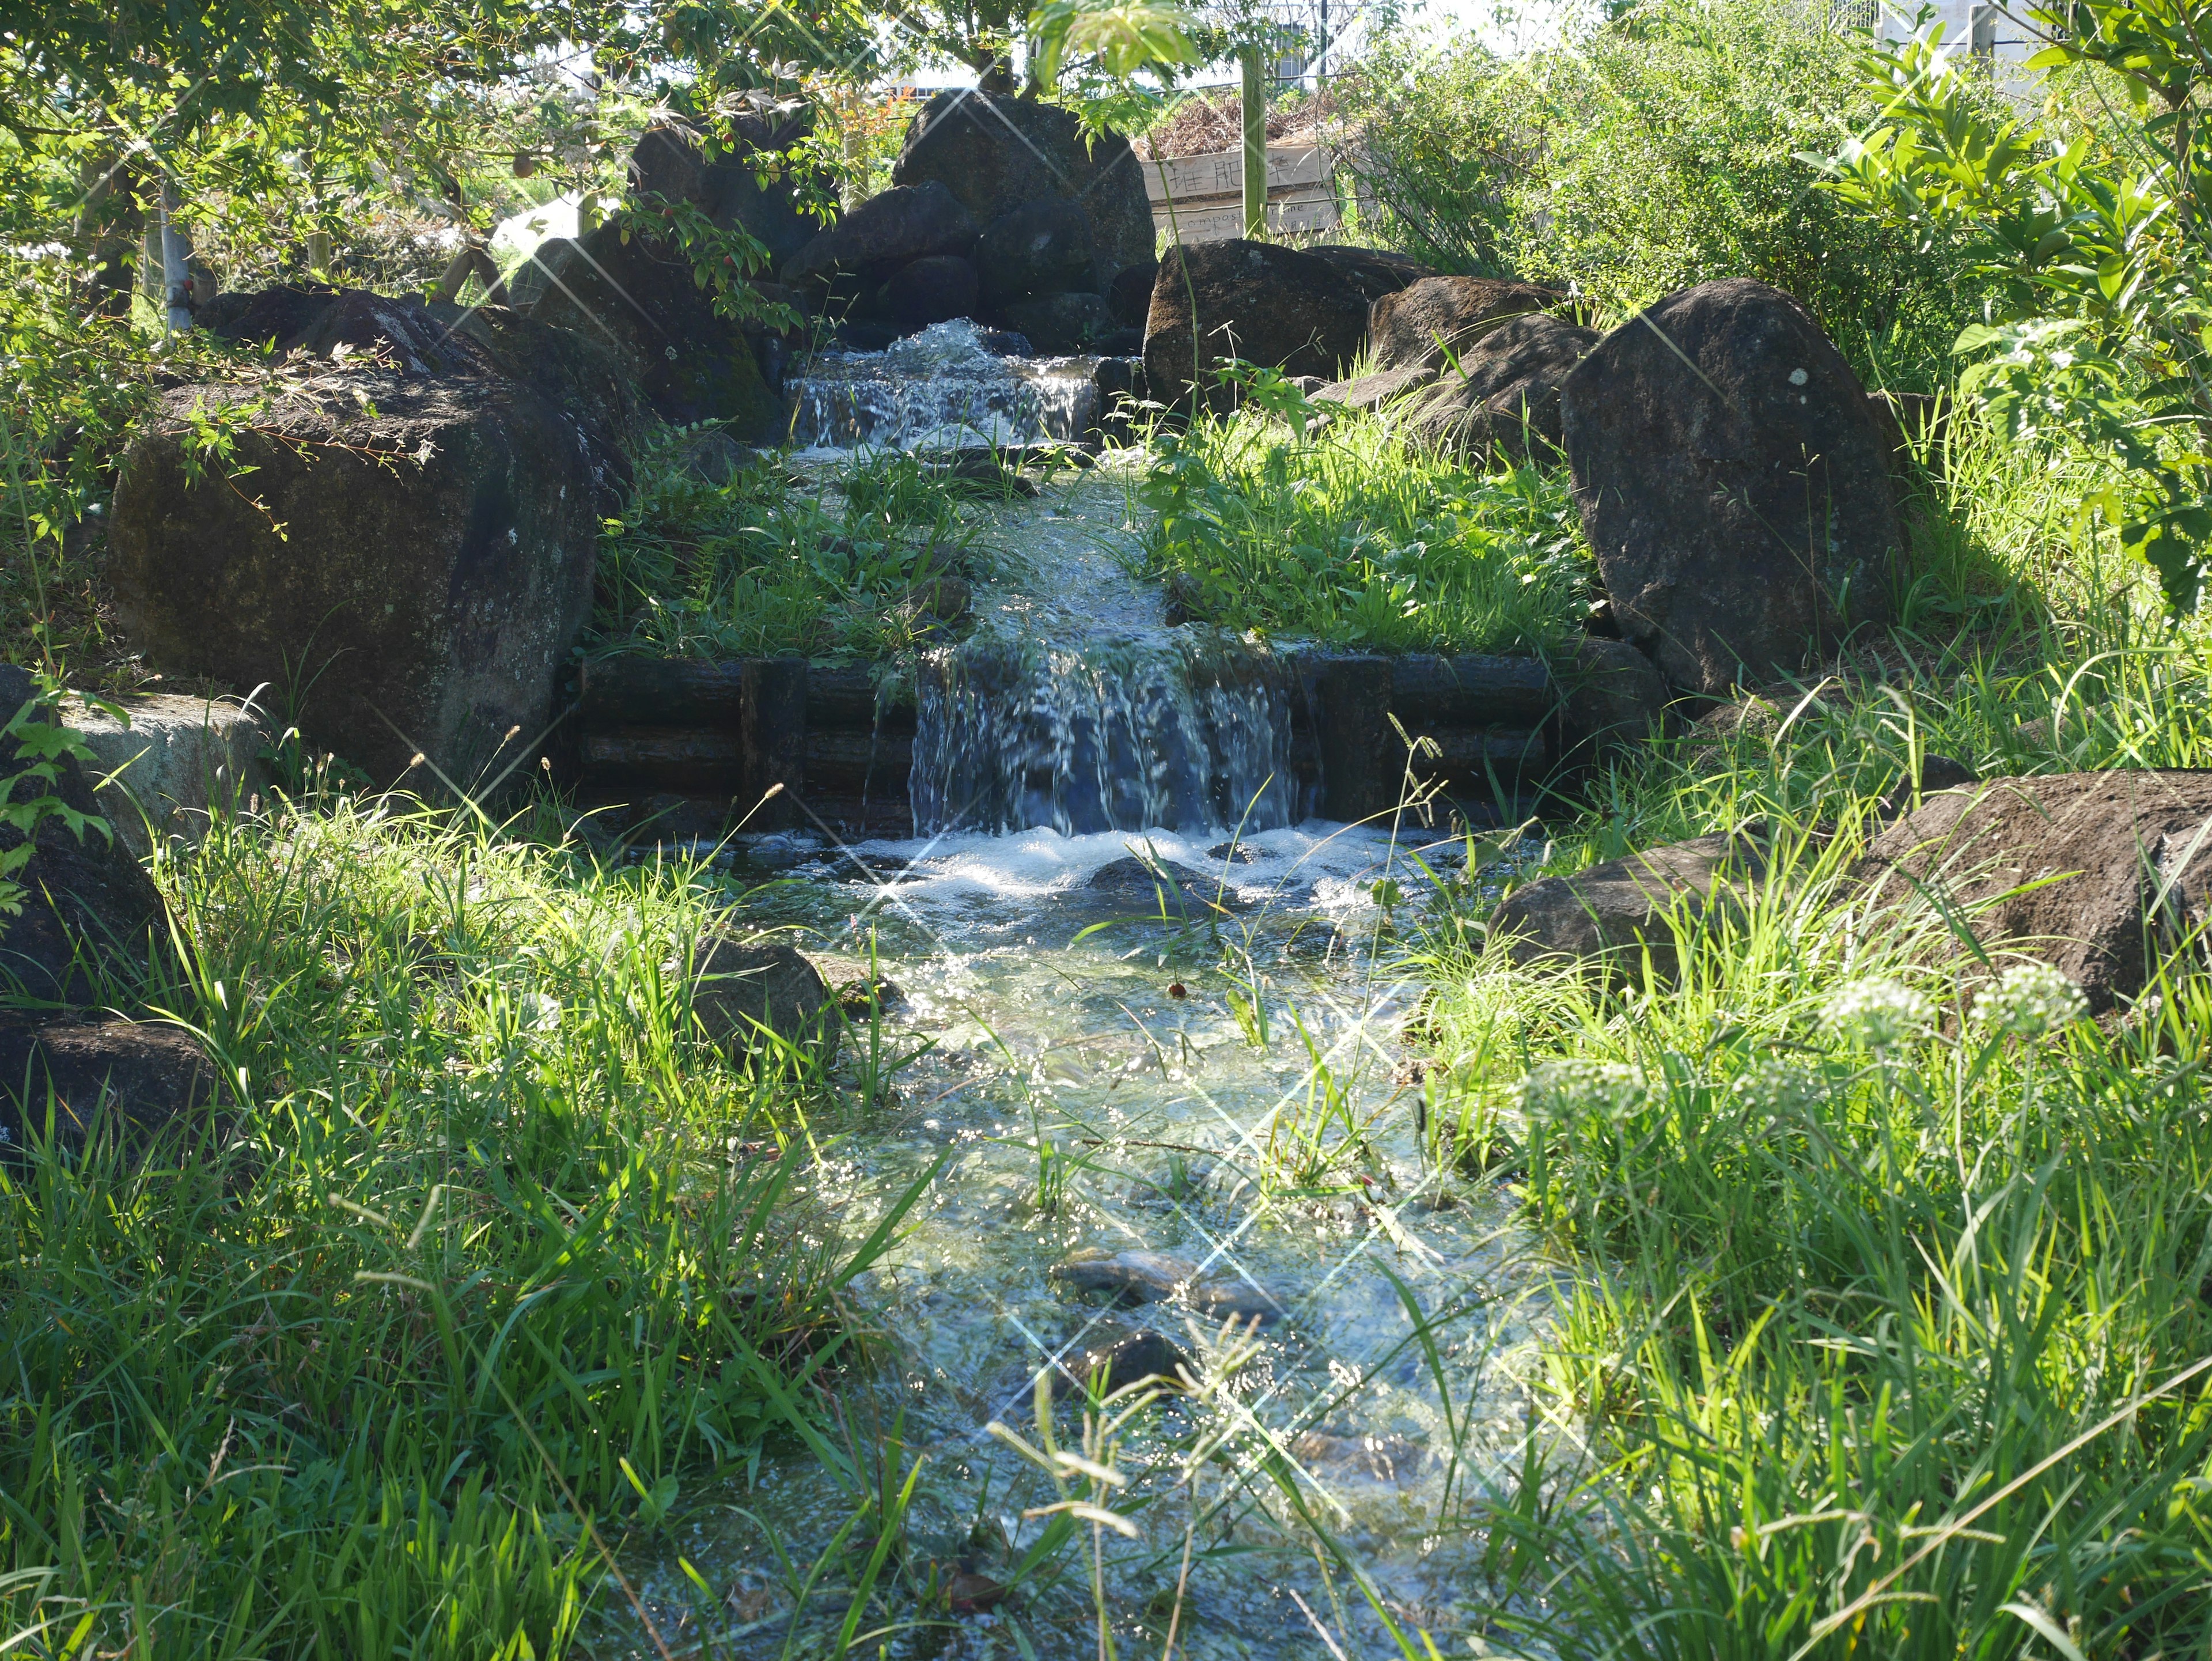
768	561
493	1255
1345	534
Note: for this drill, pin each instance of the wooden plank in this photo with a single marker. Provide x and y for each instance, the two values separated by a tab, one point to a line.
1471	689
640	691
1223	174
1218	225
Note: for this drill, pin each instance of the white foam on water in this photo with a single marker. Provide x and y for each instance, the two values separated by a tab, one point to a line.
1326	866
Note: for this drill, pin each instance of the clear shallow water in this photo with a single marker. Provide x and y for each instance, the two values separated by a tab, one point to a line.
1040	971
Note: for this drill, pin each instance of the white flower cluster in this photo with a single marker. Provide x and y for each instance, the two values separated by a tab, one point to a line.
1878	1014
1579	1085
2030	999
1778	1087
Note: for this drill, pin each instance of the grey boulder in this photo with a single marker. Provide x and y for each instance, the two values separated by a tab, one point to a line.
86	1082
1612	914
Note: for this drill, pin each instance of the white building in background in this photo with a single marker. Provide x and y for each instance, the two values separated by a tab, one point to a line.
1997	34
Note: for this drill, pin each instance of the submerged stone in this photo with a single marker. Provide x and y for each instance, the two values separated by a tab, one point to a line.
1148	1277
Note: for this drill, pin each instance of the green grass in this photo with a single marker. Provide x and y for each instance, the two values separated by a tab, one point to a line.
769	563
497	1259
1863	1348
1344	534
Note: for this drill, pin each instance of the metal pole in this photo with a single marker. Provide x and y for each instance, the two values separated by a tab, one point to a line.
176	253
1255	146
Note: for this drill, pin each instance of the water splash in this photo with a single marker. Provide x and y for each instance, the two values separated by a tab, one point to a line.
1128	735
940	388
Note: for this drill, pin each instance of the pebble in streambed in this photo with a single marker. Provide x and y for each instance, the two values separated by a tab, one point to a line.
1392	1459
1117	1360
1152	1277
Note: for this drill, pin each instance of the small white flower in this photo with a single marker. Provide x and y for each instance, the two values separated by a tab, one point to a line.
2030	999
1580	1086
1878	1014
1778	1087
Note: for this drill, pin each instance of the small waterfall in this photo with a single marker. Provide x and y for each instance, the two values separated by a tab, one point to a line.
940	388
1120	735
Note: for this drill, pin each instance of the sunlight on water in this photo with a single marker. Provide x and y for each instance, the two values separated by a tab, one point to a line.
1090	1083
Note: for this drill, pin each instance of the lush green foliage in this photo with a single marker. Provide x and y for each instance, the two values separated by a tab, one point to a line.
2092	238
1661	151
1342	534
492	1256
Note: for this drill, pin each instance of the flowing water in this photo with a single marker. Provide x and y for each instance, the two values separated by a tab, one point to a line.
941	388
1142	1029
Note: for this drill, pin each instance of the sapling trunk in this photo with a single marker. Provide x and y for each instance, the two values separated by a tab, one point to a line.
1255	146
176	259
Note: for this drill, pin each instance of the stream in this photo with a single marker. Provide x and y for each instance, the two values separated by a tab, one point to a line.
1172	1037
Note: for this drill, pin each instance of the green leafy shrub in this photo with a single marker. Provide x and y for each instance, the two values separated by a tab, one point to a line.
1662	149
2090	233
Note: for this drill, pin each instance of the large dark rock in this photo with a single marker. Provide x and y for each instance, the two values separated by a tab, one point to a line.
676	161
1041	248
265	317
934	290
641	298
1375	272
89	911
1734	484
1056	323
746	989
1504	400
1609	915
1129	295
995	153
2102	875
100	1078
1277	307
884	233
405	574
1437	317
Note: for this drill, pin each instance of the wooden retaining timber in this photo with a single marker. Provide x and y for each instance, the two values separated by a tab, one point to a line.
725	733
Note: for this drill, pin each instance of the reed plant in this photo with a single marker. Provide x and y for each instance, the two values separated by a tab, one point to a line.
489	1256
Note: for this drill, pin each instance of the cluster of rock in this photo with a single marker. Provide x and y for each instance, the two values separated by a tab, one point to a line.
1736	481
1001	210
2105	876
411	559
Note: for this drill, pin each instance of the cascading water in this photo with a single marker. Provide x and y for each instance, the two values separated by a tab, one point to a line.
1128	735
940	388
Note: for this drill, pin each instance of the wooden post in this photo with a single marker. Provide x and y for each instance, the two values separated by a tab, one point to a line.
1362	761
772	735
1255	111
